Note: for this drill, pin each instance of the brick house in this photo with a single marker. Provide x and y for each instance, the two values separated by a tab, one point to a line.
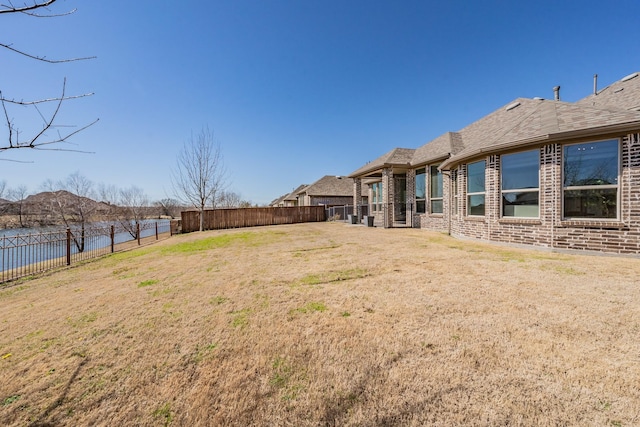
289	199
330	190
539	172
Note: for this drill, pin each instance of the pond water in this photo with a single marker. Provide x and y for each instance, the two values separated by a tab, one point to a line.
24	246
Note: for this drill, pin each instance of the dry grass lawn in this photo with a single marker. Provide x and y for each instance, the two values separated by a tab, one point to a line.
320	325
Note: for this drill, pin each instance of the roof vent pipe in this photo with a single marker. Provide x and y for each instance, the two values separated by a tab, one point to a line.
556	93
595	84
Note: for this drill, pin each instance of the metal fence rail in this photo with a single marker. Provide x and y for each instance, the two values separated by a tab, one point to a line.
27	254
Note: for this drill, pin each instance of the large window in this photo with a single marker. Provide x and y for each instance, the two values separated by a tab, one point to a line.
376	196
591	179
520	184
435	189
421	192
475	188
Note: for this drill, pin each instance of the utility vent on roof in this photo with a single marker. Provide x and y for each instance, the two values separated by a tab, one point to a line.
629	77
618	90
511	106
537	98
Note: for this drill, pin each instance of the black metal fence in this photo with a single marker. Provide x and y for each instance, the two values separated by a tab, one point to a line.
341	213
27	254
393	214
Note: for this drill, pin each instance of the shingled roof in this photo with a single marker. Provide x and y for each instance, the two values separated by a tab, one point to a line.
294	194
528	121
438	149
623	94
395	157
329	185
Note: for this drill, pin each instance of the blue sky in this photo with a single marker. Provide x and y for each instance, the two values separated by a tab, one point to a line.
293	90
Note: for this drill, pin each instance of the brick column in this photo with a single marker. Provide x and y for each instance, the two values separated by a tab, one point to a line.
357	197
550	196
387	197
411	196
493	193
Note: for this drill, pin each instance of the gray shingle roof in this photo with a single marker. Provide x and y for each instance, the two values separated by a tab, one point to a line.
523	122
294	194
532	120
395	157
438	149
329	185
624	94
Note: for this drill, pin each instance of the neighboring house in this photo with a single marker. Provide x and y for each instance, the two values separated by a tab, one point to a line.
330	190
539	172
287	200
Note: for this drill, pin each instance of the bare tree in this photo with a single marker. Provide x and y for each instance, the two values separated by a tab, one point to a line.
50	132
18	196
4	204
169	207
73	204
230	199
200	174
133	203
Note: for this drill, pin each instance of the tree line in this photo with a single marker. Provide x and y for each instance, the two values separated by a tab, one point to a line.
76	201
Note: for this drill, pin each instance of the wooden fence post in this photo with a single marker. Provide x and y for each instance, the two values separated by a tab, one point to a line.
112	234
68	246
156	230
138	232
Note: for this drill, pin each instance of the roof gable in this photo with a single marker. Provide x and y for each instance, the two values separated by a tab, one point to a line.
395	157
438	149
330	185
294	194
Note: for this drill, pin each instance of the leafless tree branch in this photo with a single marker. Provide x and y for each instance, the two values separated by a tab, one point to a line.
43	101
44	58
10	8
39	140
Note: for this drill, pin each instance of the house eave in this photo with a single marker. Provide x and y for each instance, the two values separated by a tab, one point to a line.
596	132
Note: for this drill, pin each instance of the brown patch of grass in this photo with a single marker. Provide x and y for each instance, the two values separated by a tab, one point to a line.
324	324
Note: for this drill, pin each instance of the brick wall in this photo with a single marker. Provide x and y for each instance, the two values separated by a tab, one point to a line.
550	229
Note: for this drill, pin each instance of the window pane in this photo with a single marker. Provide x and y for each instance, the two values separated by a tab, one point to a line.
475	177
420	206
436	181
436	206
592	163
591	203
476	204
520	170
421	183
521	205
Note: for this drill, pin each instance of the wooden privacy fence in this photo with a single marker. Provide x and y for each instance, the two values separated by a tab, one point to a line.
217	219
